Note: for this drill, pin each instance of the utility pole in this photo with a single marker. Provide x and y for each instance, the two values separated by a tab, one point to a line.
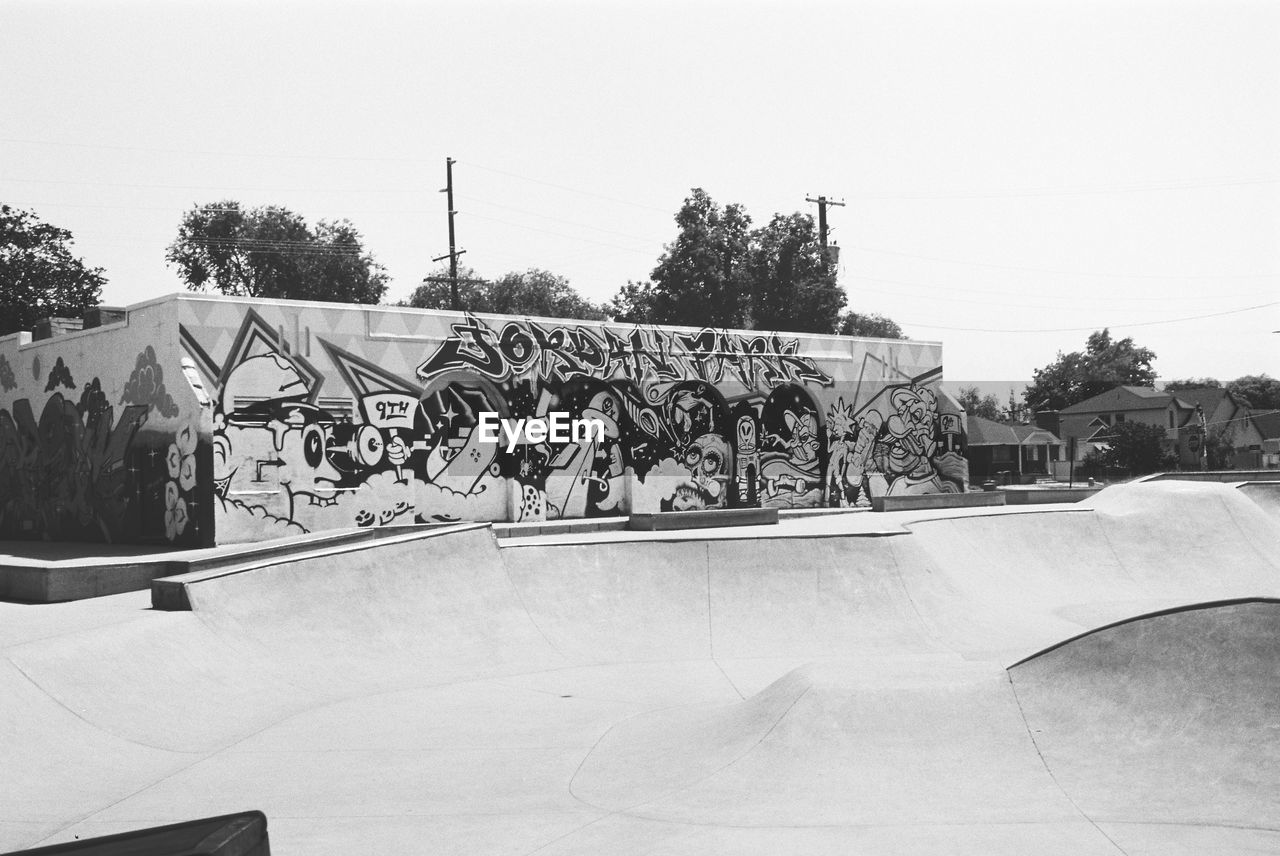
827	253
453	251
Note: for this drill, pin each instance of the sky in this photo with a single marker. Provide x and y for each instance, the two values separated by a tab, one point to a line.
1015	174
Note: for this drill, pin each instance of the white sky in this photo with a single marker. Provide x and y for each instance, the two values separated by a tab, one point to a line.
1018	166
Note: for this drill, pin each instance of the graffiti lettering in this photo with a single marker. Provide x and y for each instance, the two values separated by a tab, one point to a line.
643	355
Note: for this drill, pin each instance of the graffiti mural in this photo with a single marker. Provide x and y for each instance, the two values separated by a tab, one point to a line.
897	445
209	417
85	470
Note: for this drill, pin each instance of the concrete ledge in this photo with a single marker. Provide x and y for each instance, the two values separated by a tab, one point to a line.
937	500
1029	496
710	519
56	581
171	593
559	527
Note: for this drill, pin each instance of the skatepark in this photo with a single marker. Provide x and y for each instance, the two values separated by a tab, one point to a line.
1088	678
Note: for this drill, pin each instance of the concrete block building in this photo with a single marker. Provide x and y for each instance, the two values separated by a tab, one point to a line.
195	419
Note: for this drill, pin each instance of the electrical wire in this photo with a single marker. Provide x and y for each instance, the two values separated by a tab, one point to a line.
1106	275
1093	326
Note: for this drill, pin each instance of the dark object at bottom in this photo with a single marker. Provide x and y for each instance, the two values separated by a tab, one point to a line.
243	834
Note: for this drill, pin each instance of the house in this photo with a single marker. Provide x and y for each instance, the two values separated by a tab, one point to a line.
1267	454
1009	453
1184	415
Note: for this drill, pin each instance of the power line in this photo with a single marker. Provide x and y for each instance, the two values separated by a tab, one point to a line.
215	187
271	155
1074	297
1188	184
1094	326
558	234
565	187
1062	272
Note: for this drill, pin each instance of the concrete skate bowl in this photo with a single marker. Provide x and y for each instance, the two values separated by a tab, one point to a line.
442	694
1265	494
1163	730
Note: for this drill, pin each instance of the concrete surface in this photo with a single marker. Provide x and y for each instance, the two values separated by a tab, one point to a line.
832	684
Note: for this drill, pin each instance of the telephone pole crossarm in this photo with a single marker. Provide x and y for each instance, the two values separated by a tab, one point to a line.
827	252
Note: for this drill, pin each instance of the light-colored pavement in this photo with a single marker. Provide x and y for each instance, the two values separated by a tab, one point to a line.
830	691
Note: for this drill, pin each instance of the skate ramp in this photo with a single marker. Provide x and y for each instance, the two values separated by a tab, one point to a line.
440	693
1162	729
1265	494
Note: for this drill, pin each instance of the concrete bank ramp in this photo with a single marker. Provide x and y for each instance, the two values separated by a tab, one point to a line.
440	693
1265	494
1163	730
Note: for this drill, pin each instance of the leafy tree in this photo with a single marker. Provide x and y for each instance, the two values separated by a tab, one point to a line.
538	292
435	292
633	304
1103	364
791	287
532	292
39	277
975	404
1192	383
873	326
700	278
1259	392
272	252
1135	447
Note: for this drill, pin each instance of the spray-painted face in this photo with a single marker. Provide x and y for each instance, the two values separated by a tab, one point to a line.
707	460
804	436
912	424
746	435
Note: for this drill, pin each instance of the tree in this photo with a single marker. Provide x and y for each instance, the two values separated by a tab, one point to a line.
1135	447
975	404
435	292
538	292
791	287
272	252
533	292
1259	392
1192	383
39	276
700	278
1104	364
872	326
633	304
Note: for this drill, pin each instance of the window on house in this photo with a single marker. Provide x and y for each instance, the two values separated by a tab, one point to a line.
1119	418
1170	418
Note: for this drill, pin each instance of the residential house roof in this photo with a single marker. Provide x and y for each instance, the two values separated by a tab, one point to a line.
985	432
1122	398
1268	424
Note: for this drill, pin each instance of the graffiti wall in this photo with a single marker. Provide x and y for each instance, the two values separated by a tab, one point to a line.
203	417
328	417
101	437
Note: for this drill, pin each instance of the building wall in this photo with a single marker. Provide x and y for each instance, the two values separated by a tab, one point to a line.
323	416
102	438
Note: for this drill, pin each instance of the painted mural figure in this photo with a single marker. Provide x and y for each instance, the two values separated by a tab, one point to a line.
897	450
790	462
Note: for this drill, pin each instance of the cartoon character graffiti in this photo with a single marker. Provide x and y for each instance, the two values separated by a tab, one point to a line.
747	455
264	441
791	467
706	460
897	450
